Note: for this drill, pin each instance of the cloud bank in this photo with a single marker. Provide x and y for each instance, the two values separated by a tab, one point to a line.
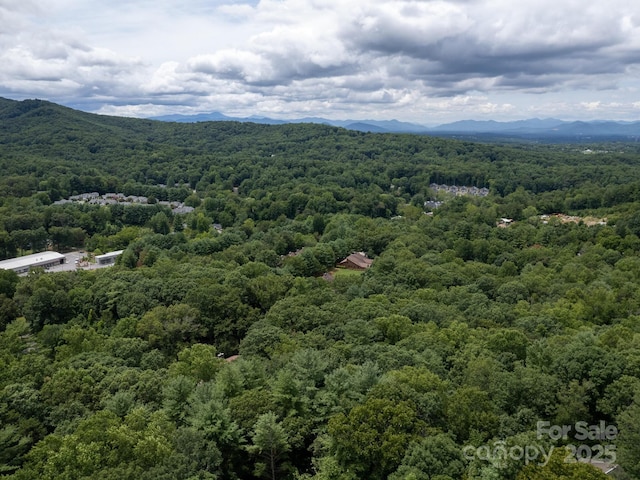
418	60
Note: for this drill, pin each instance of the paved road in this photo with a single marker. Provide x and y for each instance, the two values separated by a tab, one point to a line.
73	262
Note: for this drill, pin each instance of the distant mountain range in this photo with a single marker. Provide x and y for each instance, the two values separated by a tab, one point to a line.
531	128
381	126
549	127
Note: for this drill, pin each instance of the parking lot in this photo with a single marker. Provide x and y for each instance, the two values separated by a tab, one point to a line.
73	261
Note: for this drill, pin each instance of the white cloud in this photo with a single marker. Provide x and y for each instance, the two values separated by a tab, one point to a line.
410	59
233	65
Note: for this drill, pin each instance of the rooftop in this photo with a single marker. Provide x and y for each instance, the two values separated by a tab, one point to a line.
109	254
358	259
28	260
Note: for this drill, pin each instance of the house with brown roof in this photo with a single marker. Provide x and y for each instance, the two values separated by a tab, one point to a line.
356	261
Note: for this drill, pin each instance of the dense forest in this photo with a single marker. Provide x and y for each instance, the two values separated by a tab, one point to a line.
241	352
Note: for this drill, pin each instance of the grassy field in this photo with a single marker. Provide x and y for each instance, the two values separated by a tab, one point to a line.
346	273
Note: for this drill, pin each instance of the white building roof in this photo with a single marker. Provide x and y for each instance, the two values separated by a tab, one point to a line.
32	260
109	254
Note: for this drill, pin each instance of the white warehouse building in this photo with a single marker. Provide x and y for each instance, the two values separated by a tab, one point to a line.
108	258
24	264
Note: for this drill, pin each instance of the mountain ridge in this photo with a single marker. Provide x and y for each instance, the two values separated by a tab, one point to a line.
532	127
529	129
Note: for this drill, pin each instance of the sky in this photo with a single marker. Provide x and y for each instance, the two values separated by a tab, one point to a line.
421	61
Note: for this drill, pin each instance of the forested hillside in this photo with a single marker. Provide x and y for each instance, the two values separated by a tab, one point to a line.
240	351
